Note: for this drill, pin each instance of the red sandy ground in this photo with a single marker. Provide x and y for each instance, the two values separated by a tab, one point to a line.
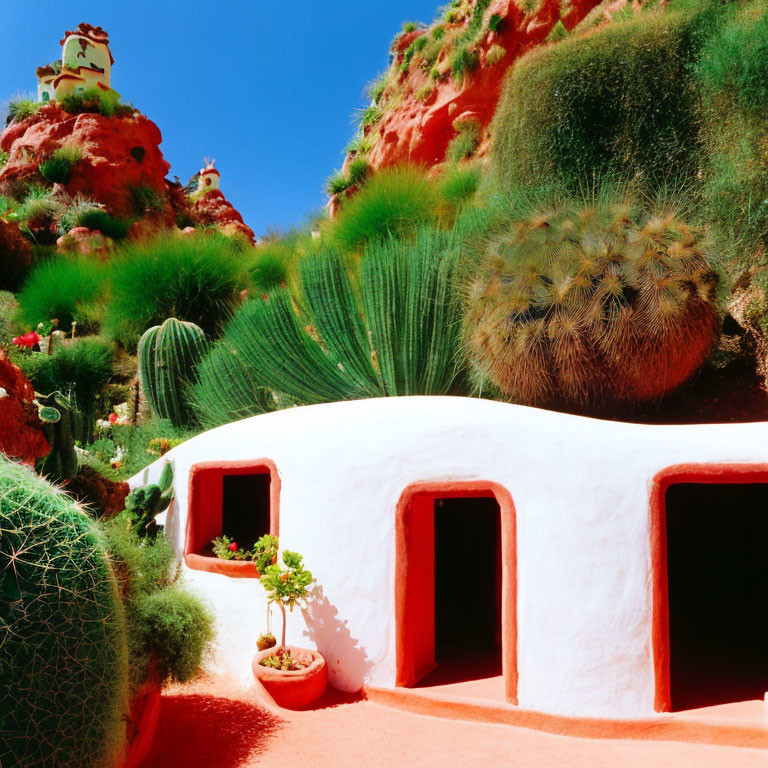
205	725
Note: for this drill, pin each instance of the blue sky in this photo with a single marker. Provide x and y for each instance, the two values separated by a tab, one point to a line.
266	88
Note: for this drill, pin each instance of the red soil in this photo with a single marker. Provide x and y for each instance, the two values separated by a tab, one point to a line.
208	724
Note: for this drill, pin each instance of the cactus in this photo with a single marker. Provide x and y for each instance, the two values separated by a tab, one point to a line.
56	417
143	504
593	304
64	661
168	354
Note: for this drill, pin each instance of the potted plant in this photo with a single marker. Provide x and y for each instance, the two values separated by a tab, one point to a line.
291	677
255	559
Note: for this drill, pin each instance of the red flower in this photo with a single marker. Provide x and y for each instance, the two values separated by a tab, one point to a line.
232	547
112	417
27	340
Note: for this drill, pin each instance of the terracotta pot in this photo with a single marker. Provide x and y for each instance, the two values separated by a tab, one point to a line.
291	690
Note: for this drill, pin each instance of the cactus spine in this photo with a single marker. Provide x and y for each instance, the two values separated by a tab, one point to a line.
168	355
64	660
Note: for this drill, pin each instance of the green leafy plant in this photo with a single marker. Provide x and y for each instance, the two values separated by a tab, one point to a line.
96	100
625	313
58	165
263	552
21	109
168	354
286	584
195	279
64	645
391	327
392	201
66	288
59	429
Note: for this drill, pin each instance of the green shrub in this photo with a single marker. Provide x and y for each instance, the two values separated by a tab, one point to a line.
63	669
65	288
271	265
459	185
165	623
338	184
195	278
79	370
146	199
618	101
626	312
465	60
391	328
98	101
57	166
4	157
466	141
393	201
21	109
96	218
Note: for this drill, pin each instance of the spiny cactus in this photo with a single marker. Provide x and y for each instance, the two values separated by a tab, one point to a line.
143	504
56	417
168	354
63	655
592	304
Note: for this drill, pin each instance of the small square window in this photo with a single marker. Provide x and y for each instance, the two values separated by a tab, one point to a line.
235	499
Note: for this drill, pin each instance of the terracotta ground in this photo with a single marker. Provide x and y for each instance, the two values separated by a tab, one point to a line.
205	726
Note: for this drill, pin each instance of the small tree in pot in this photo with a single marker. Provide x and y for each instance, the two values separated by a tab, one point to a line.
291	677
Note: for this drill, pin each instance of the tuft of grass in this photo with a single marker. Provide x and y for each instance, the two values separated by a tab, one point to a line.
464	61
375	90
21	109
146	199
270	266
65	288
459	185
394	201
466	141
98	101
4	157
370	116
494	55
196	278
96	218
57	166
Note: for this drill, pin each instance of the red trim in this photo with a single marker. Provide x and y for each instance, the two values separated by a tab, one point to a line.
414	578
204	513
681	473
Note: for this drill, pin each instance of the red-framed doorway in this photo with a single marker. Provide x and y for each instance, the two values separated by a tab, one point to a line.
716	473
414	597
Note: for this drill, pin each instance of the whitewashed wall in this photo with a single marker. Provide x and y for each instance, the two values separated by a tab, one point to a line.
581	488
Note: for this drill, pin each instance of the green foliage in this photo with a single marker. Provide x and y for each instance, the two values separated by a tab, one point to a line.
558	33
284	661
146	199
466	141
21	109
375	90
393	201
619	101
271	265
392	327
79	370
459	185
410	26
99	219
64	287
625	313
495	22
286	584
168	354
145	503
168	628
61	462
357	173
494	55
196	279
464	61
263	552
337	184
370	116
57	166
4	156
98	101
63	668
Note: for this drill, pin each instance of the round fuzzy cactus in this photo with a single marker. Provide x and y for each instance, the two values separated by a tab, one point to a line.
593	305
168	354
63	656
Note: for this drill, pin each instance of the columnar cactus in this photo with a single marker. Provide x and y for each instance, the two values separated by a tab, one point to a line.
591	305
64	660
143	504
168	354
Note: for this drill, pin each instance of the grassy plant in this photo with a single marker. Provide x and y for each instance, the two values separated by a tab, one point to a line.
464	61
593	303
92	216
358	170
375	90
79	370
57	166
196	279
21	109
370	116
390	328
271	265
64	288
423	93
4	157
96	100
64	665
495	54
337	184
495	22
557	33
146	199
393	201
459	185
618	101
466	141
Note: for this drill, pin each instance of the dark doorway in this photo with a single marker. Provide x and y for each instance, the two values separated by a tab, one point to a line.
717	559
245	513
467	589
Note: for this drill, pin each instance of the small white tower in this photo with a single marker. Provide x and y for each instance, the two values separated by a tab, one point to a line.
208	179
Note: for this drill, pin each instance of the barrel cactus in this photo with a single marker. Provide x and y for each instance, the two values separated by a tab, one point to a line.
63	655
168	354
593	305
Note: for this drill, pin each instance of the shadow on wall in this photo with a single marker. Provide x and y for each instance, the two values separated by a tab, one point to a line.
202	731
348	662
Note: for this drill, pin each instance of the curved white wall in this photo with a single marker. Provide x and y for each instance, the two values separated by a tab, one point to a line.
581	489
